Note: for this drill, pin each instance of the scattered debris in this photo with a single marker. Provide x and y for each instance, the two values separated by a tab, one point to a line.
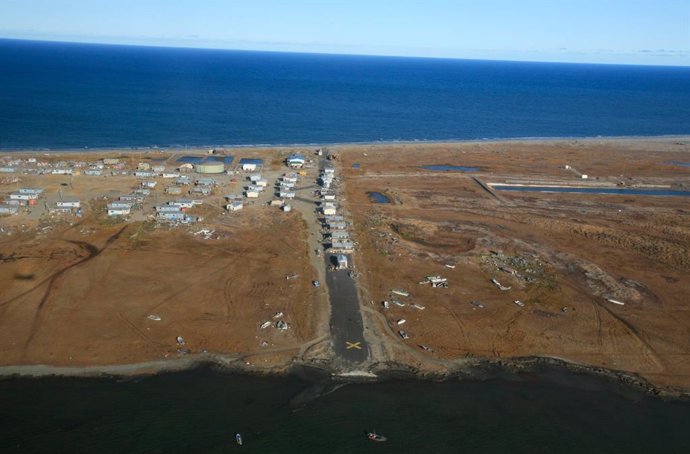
398	303
448	265
435	281
281	325
400	292
477	304
425	348
401	321
386	305
615	302
498	284
417	306
154	317
278	315
265	325
519	303
403	334
292	276
180	340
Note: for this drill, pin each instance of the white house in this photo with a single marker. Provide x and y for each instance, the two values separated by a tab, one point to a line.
328	209
287	208
68	204
343	246
287	194
261	183
149	184
62	172
251	194
118	211
182	203
255	177
170	175
234	206
9	209
19	196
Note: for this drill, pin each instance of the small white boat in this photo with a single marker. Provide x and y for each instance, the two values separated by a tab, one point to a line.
238	439
373	436
401	321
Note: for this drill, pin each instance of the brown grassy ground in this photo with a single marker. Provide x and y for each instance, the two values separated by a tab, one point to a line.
81	295
575	251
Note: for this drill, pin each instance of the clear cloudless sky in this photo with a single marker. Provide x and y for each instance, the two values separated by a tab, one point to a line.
600	31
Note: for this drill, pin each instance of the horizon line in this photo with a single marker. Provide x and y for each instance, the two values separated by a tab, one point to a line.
332	53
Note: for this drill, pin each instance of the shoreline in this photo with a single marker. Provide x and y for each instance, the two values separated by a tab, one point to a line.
475	368
179	149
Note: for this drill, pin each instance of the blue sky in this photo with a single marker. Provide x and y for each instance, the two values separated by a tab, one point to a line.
599	31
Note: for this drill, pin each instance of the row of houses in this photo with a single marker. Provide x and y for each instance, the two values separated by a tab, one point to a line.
337	237
176	211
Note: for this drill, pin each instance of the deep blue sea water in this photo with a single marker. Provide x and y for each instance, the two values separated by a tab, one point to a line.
61	95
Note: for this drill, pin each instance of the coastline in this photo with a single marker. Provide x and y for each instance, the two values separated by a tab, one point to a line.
180	149
475	369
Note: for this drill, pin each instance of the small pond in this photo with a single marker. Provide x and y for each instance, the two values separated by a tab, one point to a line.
378	197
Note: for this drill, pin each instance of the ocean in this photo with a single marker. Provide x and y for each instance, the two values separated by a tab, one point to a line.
59	95
200	411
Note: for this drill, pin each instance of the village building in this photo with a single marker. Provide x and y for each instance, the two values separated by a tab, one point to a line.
234	206
7	209
250	164
68	203
295	161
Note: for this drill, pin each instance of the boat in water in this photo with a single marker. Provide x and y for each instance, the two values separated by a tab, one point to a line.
373	436
238	439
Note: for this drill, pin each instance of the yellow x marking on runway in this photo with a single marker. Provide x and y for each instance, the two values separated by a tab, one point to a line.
351	345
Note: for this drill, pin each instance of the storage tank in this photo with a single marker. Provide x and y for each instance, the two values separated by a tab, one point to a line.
210	166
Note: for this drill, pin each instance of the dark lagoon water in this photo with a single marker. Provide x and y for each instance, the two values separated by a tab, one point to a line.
576	190
450	168
200	411
61	95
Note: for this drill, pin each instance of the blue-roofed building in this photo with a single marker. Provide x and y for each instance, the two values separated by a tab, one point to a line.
251	164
